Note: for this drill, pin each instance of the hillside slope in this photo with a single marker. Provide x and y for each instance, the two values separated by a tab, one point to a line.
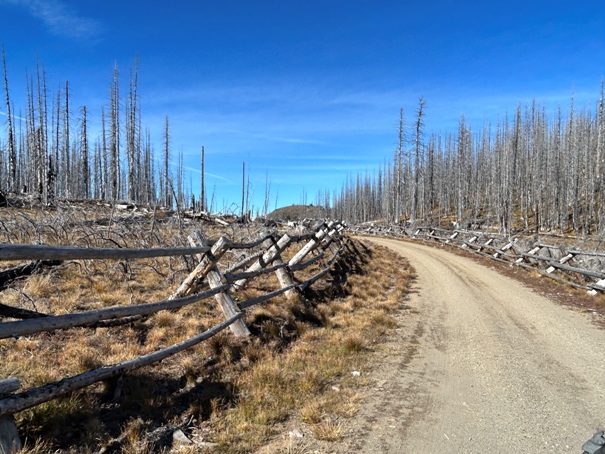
298	213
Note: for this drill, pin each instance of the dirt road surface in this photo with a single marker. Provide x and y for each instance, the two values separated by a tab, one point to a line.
482	364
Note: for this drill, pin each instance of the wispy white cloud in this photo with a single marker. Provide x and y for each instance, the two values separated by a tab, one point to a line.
60	18
208	174
4	114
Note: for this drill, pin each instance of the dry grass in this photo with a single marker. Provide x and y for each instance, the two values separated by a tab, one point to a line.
295	369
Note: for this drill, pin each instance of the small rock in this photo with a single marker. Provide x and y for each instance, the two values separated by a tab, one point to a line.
295	433
336	388
179	438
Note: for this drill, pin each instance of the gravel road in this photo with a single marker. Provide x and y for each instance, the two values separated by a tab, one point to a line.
482	364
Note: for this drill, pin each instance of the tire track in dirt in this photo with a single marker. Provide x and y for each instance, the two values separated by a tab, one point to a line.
481	364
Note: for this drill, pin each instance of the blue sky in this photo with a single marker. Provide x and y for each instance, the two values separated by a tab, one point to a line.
306	91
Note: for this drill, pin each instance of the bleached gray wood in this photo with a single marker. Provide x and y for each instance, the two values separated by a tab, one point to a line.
51	323
528	254
312	244
250	245
39	252
283	275
207	268
9	385
303	265
243	263
572	269
599	285
226	303
10	443
251	274
196	277
562	260
267	258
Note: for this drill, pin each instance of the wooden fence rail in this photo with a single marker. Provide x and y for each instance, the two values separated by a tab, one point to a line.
205	281
561	263
38	252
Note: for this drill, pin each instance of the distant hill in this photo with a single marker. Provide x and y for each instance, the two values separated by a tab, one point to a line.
298	213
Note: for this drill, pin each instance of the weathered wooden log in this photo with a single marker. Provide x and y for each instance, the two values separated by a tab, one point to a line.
312	244
266	259
220	221
32	397
562	260
16	312
8	276
497	252
243	263
303	265
9	385
10	443
51	323
245	275
299	238
250	245
196	277
322	273
116	322
38	252
593	254
497	259
573	269
226	303
530	254
556	278
196	239
598	286
283	274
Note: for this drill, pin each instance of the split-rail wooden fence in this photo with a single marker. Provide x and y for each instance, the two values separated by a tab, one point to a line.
325	242
572	266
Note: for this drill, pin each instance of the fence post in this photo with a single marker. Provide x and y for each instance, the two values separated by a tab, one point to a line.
311	244
472	240
283	274
562	261
333	235
273	251
600	284
207	269
531	252
228	306
196	277
10	443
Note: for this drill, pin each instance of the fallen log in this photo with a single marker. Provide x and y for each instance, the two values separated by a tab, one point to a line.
8	276
16	312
